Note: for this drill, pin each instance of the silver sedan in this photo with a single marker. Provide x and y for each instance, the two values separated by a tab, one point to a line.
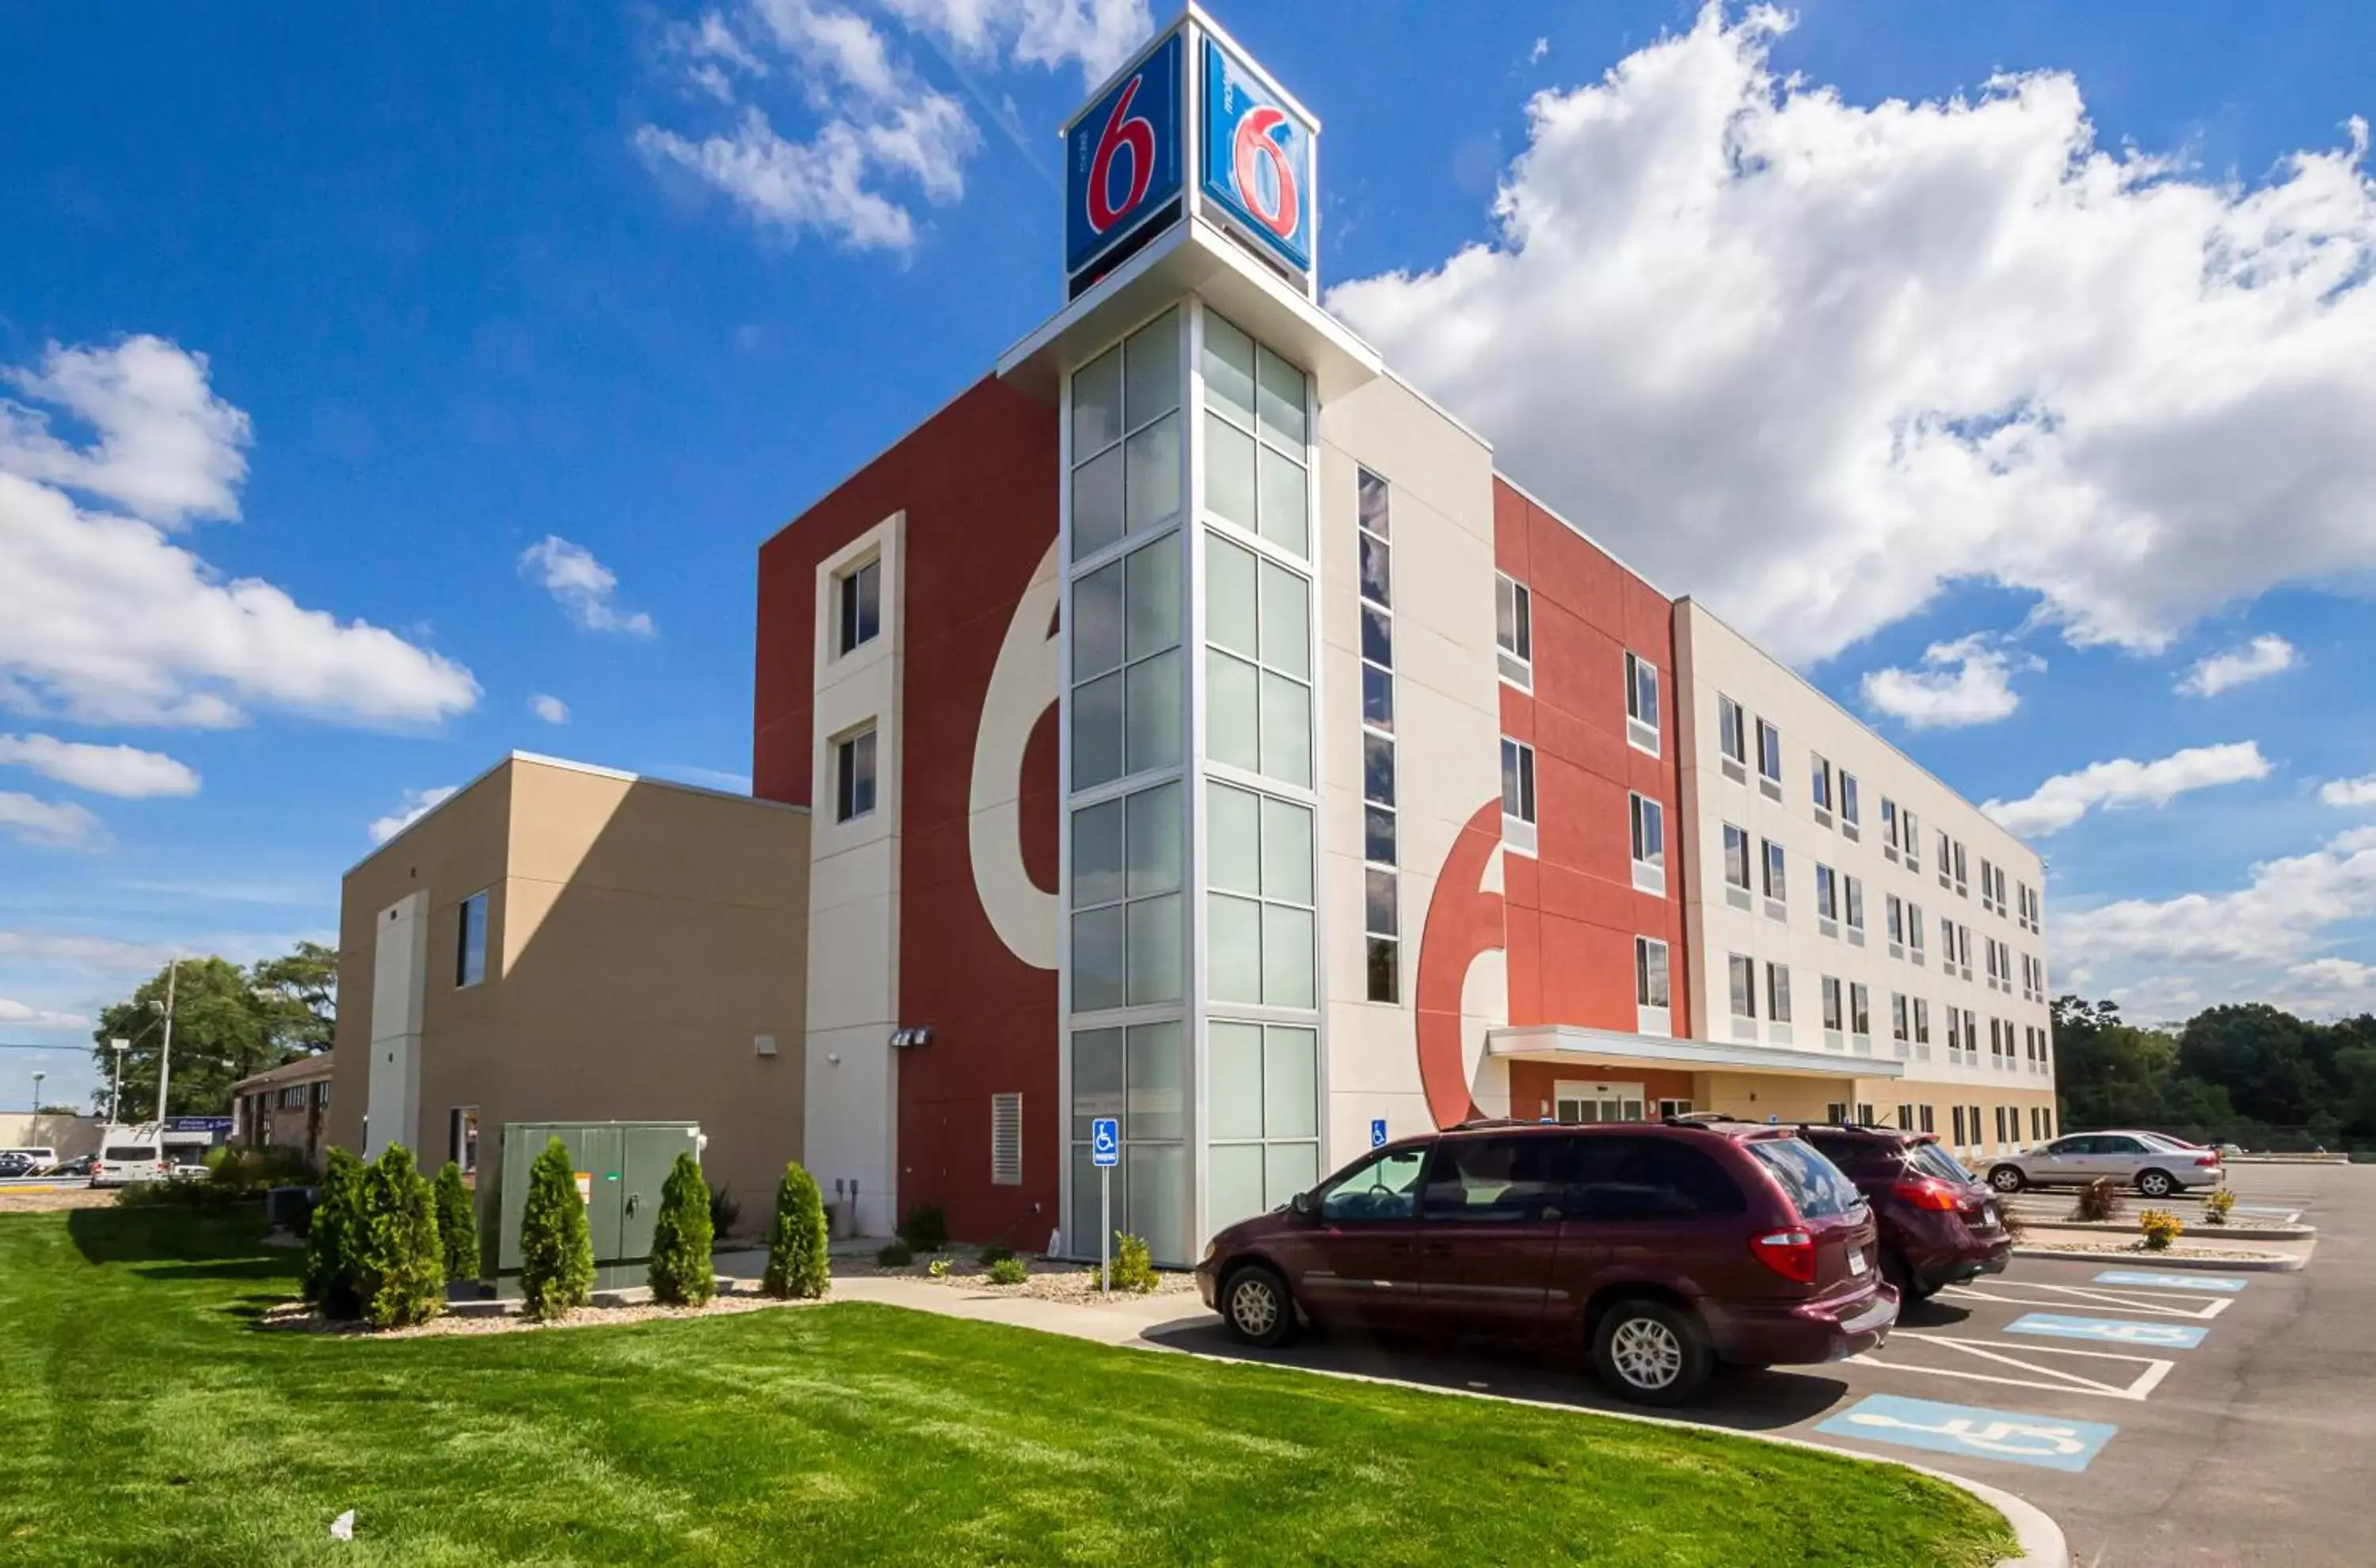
2155	1166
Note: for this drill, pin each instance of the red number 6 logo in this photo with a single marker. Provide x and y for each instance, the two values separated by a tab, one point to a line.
1254	146
1123	133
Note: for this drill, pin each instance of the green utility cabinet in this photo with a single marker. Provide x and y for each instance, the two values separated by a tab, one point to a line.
620	1166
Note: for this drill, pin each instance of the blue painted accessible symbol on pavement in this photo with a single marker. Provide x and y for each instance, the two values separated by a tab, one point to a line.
2171	1281
1971	1430
2112	1330
1105	1141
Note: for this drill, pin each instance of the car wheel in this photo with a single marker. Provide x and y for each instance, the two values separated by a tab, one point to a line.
2155	1183
2007	1178
1255	1307
1651	1353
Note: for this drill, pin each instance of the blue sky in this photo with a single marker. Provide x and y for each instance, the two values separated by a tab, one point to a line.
522	327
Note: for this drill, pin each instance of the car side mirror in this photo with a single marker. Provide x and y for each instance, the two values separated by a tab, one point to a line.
1302	1203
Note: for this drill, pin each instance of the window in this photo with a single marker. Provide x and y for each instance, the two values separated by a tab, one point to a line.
1642	703
858	606
1899	1029
1927	1125
1491	1180
1381	927
1128	855
1513	628
462	1137
1262	1116
1971	1034
1960	1139
1960	885
1259	918
1827	897
1777	881
1821	777
1814	1184
1987	886
1894	913
1731	731
1914	927
853	775
1140	1075
1778	992
1769	752
1854	888
1648	820
1922	1022
1849	807
322	1095
1617	1179
1860	1010
1743	971
1834	1011
1946	940
1889	822
1372	535
1258	662
1254	438
1964	948
1126	438
471	948
1955	1032
294	1099
1736	857
1006	1140
1913	840
1517	781
1384	1187
1946	861
1650	972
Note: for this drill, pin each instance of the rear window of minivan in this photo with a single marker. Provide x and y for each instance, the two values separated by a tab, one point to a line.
1814	1184
1933	1160
129	1154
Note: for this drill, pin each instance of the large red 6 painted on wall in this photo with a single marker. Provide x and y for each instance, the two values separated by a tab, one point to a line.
1464	923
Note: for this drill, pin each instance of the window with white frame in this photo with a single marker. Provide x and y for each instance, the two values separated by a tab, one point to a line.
1259	919
1513	630
1914	927
1778	992
1912	831
1126	438
1255	435
1731	731
1736	857
1258	661
1382	892
1647	822
1849	808
1860	1009
1827	897
1126	676
858	606
1853	887
1650	972
1889	825
470	945
462	1137
1835	1005
1899	1020
1946	859
1518	781
1894	913
1922	1022
1128	870
1741	970
1769	752
1964	949
1263	1123
1819	781
1642	703
853	775
1954	1034
1971	1034
1961	885
1778	878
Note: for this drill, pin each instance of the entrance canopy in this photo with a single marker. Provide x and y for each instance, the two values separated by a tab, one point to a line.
1569	1043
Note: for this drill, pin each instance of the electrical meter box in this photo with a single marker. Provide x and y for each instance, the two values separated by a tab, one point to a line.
619	1166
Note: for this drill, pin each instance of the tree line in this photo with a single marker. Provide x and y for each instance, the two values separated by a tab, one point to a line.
2252	1075
230	1022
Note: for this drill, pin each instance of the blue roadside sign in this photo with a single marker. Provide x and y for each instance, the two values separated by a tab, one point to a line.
1105	1141
1378	1132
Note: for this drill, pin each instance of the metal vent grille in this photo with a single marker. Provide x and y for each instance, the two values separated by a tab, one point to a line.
1006	1140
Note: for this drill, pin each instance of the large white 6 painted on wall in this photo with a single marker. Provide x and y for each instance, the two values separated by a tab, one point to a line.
1022	687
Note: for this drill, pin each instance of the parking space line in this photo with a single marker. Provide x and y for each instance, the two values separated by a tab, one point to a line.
2230	1284
2115	1331
2029	1359
1971	1430
2142	1301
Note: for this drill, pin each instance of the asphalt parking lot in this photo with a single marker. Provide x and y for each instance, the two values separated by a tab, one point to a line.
2161	1416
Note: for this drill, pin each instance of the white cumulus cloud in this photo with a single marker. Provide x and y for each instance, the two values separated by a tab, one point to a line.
2273	920
104	619
2349	791
418	804
20	1015
50	825
581	585
873	133
549	709
1820	360
2066	798
1964	682
125	772
2265	655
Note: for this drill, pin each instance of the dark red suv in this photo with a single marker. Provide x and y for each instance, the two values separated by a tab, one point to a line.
1663	1248
1938	1226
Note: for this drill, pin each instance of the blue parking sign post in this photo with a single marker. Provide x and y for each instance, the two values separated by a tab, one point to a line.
1378	1132
1105	1152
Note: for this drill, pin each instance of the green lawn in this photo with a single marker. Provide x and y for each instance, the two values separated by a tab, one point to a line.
147	1420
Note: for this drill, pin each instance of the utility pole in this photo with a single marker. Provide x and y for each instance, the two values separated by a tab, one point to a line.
37	1092
165	1052
115	1089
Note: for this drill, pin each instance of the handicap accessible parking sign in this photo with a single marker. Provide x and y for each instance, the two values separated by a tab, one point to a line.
2049	1442
2110	1330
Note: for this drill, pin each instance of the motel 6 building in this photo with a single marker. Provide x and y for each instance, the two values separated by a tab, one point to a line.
1197	729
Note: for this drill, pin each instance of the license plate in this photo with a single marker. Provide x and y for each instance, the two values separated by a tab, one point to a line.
1988	1213
1856	1260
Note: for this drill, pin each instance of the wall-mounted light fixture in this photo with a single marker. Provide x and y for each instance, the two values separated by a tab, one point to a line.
905	1040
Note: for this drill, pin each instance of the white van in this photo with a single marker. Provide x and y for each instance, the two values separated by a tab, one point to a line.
127	1155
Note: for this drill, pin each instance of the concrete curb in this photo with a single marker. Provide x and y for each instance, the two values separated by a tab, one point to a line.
2215	1232
2150	1260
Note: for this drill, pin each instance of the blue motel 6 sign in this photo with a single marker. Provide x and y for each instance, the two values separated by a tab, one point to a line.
1256	163
1123	157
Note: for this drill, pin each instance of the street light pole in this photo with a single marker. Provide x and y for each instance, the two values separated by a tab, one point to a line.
115	1089
165	1051
37	1092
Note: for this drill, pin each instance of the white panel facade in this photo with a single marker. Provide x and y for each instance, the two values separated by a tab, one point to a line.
399	993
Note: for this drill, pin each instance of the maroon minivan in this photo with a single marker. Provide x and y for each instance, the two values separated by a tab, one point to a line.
1665	1248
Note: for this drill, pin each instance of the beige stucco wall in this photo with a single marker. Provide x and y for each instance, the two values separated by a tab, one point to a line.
641	938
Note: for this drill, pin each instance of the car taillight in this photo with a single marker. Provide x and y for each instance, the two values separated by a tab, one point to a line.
1790	1253
2209	1160
1930	1194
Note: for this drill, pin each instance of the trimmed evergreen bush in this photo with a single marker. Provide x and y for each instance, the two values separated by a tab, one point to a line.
797	1266
681	1274
334	1235
556	1246
1134	1266
399	1265
927	1229
458	1225
1009	1270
